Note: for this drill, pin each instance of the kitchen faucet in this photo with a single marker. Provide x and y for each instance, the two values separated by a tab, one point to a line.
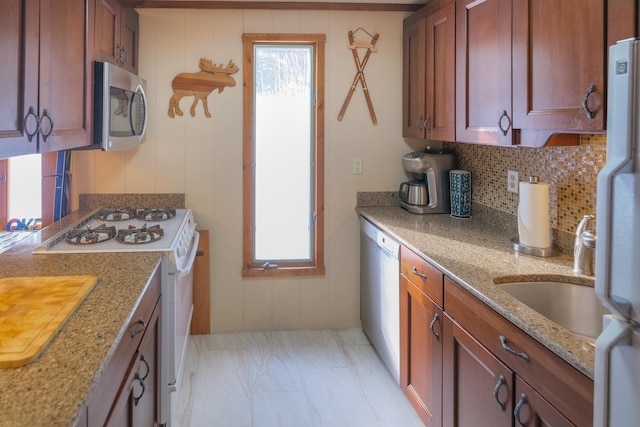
584	248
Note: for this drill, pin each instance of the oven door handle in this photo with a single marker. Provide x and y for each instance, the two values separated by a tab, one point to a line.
186	269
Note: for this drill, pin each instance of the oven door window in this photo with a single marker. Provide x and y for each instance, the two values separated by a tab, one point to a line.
127	112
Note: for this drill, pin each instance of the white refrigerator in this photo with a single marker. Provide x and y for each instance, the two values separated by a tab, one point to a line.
617	357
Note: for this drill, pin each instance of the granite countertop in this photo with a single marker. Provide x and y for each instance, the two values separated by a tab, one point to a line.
473	252
53	389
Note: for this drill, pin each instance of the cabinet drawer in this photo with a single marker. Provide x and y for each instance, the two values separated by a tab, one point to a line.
570	391
422	274
117	367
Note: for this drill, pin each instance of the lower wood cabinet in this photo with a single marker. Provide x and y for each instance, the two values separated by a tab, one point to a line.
127	394
480	347
478	388
463	364
421	336
137	401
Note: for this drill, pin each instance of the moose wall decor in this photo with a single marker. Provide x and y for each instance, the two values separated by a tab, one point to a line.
200	85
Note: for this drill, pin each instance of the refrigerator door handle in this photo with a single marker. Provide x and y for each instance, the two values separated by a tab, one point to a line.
614	334
620	138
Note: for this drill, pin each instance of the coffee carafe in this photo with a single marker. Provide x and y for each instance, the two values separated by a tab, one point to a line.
428	191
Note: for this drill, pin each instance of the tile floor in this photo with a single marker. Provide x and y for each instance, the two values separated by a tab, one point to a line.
301	378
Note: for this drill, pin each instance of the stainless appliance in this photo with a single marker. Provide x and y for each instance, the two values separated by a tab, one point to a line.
617	358
428	191
170	231
380	294
120	108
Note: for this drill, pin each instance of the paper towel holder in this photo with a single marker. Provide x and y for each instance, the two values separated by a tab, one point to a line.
530	250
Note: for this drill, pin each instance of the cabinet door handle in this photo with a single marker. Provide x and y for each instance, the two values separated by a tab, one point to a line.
419	122
503	115
143	360
140	329
516	412
503	341
136	399
496	390
32	112
417	273
585	102
436	318
119	48
46	135
427	123
126	56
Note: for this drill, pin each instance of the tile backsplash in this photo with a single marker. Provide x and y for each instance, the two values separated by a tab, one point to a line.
570	171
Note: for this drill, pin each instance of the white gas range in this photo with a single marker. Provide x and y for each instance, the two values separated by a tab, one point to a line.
170	231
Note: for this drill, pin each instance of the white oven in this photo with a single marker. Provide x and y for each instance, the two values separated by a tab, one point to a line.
170	231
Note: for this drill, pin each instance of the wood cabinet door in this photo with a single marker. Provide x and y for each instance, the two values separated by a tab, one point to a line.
421	352
533	410
483	72
558	64
440	75
108	17
477	387
413	80
129	33
66	76
19	32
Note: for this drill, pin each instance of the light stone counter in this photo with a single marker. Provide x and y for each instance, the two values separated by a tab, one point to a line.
472	253
53	389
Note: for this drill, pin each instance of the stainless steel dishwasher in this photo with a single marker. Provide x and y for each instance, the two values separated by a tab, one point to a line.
380	293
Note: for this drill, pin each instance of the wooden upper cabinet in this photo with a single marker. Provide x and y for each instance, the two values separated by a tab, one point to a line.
413	80
19	32
45	77
116	34
558	65
483	72
440	74
428	74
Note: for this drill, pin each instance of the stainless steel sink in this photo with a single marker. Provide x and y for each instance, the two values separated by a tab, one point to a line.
575	307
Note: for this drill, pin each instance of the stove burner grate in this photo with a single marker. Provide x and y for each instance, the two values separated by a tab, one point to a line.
88	236
155	214
116	214
138	236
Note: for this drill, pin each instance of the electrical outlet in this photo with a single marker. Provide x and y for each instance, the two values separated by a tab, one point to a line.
512	181
357	166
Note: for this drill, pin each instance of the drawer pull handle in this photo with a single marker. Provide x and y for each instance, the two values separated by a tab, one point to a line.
136	399
503	341
516	412
143	360
420	275
436	318
140	329
496	390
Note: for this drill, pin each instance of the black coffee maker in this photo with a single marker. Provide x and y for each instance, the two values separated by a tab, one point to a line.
428	191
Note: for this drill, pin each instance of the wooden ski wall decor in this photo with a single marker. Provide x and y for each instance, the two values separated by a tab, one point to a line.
200	85
359	77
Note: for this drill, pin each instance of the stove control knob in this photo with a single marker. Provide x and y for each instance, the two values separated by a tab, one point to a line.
182	251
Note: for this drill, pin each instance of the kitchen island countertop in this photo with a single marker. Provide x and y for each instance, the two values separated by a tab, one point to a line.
472	253
52	391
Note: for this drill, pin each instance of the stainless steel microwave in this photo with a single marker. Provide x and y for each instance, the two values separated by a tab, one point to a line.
120	108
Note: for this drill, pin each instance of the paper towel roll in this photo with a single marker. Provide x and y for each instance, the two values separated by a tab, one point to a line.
534	228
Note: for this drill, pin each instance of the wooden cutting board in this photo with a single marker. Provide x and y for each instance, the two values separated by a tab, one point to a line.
32	310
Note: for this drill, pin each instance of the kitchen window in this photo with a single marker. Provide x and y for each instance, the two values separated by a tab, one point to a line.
283	155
